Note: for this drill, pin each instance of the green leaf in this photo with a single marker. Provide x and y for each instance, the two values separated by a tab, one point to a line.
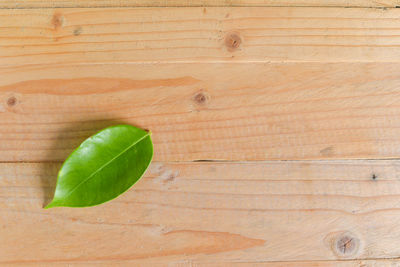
103	167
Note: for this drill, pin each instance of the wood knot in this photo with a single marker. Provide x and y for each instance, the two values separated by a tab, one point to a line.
164	175
327	151
11	101
78	31
346	245
201	98
57	21
171	177
233	41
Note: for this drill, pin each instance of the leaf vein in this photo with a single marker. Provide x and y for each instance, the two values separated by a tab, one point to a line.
103	166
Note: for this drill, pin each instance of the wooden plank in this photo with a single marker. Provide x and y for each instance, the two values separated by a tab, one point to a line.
207	213
347	263
37	116
197	263
206	111
186	3
273	34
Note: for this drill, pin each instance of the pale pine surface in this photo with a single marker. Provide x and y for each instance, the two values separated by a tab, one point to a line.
240	85
187	3
33	38
207	111
209	212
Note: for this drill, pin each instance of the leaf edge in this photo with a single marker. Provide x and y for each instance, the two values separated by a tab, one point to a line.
54	204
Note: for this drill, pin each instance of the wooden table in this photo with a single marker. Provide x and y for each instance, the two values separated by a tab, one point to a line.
276	127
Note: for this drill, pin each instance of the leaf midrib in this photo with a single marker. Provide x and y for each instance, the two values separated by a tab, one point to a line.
103	166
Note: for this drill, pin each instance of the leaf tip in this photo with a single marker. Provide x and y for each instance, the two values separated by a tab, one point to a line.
50	205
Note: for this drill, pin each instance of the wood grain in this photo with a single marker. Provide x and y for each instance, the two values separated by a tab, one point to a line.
209	213
199	263
186	3
206	111
136	35
214	83
243	84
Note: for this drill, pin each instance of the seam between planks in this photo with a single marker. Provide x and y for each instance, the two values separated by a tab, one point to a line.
193	6
229	161
261	261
